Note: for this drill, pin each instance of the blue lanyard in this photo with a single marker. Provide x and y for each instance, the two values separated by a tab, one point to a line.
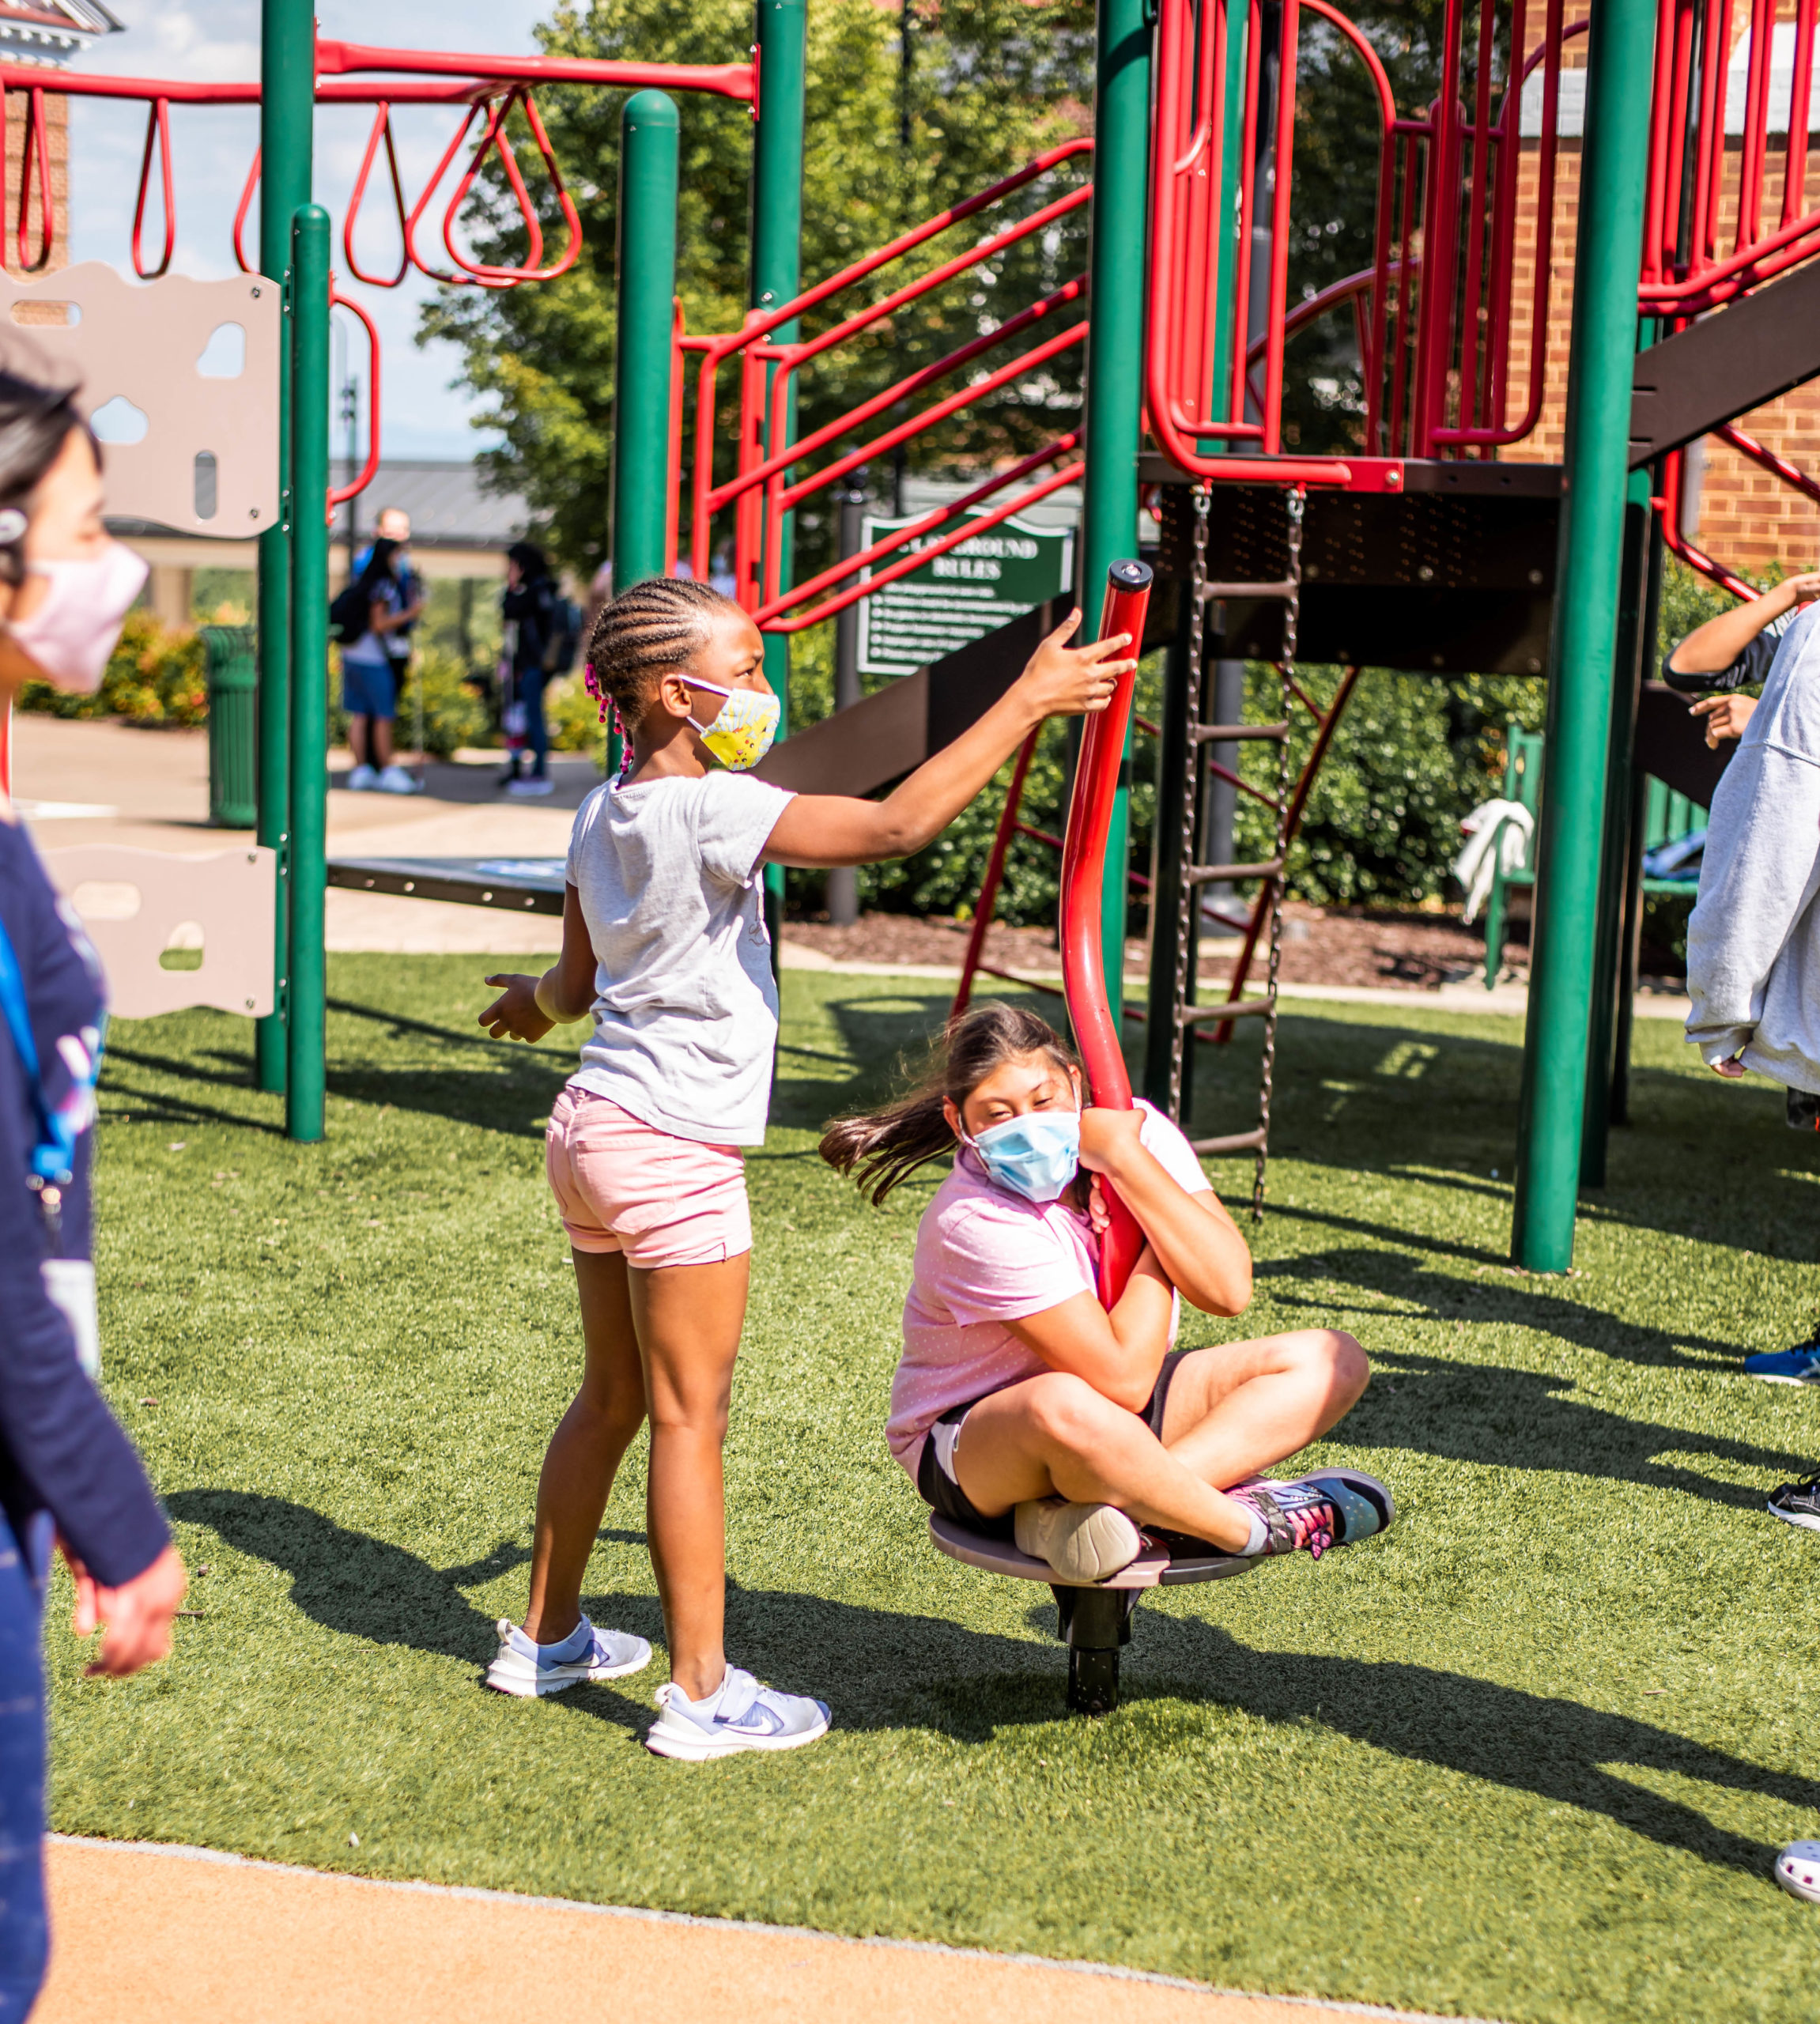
53	1157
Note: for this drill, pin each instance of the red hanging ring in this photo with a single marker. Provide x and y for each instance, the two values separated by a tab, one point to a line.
496	137
158	129
35	151
422	204
245	265
337	494
382	128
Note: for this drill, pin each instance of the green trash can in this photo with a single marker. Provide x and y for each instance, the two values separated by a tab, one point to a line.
233	665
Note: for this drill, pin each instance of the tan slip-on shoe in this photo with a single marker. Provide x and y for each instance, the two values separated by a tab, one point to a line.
1081	1542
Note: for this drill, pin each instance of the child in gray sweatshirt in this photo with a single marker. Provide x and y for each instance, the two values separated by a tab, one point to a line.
1754	938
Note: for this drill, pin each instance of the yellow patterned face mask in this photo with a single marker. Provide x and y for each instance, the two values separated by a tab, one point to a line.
743	728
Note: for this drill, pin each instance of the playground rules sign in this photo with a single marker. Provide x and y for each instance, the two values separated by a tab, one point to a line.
978	585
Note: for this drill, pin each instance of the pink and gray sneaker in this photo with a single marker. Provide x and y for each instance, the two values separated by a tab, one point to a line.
1329	1507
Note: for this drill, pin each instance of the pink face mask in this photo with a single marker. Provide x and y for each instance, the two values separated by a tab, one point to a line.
72	632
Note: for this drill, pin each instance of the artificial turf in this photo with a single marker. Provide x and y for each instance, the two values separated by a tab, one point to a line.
1527	1757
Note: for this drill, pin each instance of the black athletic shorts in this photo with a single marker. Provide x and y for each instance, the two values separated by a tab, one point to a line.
941	1493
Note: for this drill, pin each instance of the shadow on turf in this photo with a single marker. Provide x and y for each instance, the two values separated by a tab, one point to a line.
1512	1298
885	1671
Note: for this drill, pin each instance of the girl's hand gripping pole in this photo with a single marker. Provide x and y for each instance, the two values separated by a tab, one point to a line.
1083	883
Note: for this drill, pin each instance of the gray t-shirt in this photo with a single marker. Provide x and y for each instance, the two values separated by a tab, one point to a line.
1753	937
685	1006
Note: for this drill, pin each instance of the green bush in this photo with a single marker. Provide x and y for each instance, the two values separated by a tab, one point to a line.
156	675
1412	754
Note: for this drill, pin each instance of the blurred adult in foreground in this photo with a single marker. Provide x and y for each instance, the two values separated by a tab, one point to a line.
66	1469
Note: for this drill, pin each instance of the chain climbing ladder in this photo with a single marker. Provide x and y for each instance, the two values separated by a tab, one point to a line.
1186	1015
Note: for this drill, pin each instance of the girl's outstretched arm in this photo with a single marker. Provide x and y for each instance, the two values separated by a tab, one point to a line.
1196	1243
1060	681
527	1007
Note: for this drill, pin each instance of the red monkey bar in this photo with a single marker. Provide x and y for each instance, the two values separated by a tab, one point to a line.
1083	880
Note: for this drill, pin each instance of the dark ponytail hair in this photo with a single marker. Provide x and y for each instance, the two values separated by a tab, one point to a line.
887	1147
38	415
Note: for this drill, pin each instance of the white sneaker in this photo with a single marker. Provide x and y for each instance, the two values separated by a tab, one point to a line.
1081	1542
532	784
395	780
526	1669
1798	1870
362	780
742	1716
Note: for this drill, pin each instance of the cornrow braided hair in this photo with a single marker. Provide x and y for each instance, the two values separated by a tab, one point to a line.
648	628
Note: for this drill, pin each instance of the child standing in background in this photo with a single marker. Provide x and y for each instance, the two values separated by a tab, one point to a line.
664	943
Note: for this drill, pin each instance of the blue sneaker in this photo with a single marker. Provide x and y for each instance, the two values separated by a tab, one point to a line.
528	1669
1327	1507
1799	1366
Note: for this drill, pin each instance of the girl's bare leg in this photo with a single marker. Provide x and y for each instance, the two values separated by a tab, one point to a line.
688	1318
585	1451
1237	1410
1055	1436
1231	1412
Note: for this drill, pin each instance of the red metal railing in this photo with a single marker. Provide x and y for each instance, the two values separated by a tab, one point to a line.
1703	191
1435	314
765	487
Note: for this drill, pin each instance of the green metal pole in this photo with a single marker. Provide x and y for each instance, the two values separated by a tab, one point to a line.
1115	376
287	107
1627	676
648	130
304	1096
1594	480
781	30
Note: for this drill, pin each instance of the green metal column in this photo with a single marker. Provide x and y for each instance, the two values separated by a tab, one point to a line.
648	131
1116	374
1571	830
1620	841
303	1096
781	30
287	107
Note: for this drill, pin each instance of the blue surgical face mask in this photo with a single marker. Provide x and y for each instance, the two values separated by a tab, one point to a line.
1035	1156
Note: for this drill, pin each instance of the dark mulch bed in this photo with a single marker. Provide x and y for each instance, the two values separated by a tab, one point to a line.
1408	949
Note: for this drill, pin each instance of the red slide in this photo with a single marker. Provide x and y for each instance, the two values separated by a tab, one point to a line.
1083	884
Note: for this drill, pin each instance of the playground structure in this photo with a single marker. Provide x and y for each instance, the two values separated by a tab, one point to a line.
1435	541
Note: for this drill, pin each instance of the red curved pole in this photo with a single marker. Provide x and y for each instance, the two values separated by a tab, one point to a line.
246	204
158	131
1083	880
340	492
382	131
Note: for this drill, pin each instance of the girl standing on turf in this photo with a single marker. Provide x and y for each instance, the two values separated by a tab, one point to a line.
1022	1408
664	945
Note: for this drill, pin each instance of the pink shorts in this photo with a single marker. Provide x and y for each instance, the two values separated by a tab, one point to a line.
623	1185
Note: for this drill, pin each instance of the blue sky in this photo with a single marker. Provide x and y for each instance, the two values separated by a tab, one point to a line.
213	148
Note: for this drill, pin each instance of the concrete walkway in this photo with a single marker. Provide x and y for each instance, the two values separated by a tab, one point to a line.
108	783
164	1936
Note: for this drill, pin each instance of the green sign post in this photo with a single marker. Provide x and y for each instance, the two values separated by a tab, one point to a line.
981	583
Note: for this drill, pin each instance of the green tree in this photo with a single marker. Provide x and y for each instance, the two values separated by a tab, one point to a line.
990	82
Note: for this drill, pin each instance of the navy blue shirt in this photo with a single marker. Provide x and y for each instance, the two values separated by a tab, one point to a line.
61	1450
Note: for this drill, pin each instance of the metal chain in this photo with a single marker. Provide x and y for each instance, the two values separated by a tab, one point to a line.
1286	667
1187	894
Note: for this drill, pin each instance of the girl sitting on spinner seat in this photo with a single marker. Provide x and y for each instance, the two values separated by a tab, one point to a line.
1022	1408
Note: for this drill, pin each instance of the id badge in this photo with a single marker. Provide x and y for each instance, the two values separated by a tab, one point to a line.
70	1283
